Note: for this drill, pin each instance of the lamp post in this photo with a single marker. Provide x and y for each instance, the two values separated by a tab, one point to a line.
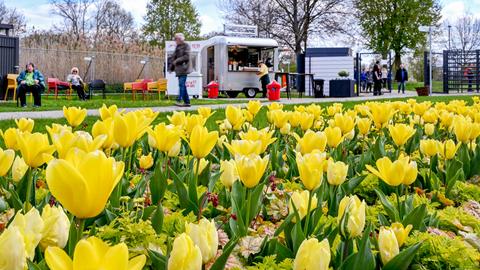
428	29
449	39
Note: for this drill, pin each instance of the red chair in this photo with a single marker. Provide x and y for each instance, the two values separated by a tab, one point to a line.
140	86
55	85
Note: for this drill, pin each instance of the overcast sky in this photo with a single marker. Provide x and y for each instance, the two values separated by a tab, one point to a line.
38	13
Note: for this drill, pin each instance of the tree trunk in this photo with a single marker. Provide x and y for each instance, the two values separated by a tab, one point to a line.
396	62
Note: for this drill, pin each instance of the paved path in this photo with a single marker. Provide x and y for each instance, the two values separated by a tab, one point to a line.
94	112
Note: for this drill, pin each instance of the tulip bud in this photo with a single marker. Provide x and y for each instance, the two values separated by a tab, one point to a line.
310	141
336	172
429	147
6	160
56	229
351	216
285	129
334	136
185	254
12	248
25	124
310	167
205	236
74	115
201	166
300	200
387	245
312	255
146	162
400	133
201	141
448	149
30	226
429	129
229	173
401	233
251	169
19	168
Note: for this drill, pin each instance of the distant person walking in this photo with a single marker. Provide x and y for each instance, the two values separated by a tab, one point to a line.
468	74
377	79
77	83
369	80
180	63
384	76
263	76
401	77
363	80
30	80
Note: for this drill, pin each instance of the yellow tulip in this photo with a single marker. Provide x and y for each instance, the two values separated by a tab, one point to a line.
129	127
164	137
25	124
191	121
63	142
274	106
334	136
306	121
251	169
104	127
430	147
74	115
254	106
446	119
429	129
299	199
93	253
201	166
57	129
248	116
351	216
84	141
336	172
475	131
462	128
401	233
430	116
235	116
420	108
146	162
334	109
229	173
295	118
30	226
202	142
56	229
107	112
244	147
395	173
344	122
401	133
185	254
19	168
387	244
35	148
10	138
175	150
285	129
74	181
6	160
12	248
310	166
263	135
204	235
177	119
448	149
381	113
364	125
205	112
311	141
315	110
279	118
312	255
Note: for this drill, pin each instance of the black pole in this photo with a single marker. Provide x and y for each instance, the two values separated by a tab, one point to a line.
357	63
426	72
449	45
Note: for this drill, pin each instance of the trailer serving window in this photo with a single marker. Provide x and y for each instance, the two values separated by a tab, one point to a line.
242	57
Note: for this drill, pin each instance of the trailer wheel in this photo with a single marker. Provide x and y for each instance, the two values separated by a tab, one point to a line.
250	92
232	94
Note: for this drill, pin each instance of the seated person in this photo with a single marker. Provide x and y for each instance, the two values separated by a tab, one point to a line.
77	83
30	80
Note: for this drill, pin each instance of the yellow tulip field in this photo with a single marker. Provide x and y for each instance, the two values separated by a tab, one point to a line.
382	185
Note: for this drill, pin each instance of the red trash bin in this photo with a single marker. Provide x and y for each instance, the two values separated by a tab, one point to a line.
212	89
273	91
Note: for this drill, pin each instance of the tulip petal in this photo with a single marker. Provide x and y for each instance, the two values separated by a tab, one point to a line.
116	258
57	259
137	263
86	256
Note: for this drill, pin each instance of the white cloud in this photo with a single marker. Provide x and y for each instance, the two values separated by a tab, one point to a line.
453	10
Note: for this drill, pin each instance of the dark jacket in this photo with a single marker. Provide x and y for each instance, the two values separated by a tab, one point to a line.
398	75
37	75
181	60
377	73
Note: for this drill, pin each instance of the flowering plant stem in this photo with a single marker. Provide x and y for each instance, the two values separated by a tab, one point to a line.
29	191
307	220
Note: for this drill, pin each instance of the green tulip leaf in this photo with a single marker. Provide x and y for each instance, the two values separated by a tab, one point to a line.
227	250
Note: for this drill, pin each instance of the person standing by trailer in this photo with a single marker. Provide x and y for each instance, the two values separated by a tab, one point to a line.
180	63
377	79
263	76
401	77
30	80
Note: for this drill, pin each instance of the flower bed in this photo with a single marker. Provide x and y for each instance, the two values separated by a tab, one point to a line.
389	185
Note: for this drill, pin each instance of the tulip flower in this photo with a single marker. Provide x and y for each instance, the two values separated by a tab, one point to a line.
475	131
448	149
285	129
205	112
430	116
387	244
334	136
364	125
312	255
74	181
185	254
306	121
401	233
56	229
204	235
63	142
420	108
462	128
395	173
244	147
334	109
146	162
229	173
248	116
177	119
263	135
381	113
12	249
351	216
429	129
430	147
315	110
251	169
25	124
201	166
274	106
175	150
74	115
235	116
446	119
6	160
344	122
104	127
164	137
129	127
19	168
279	118
310	167
202	142
336	172
191	121
93	253
311	141
35	148
107	112
30	226
401	133
84	141
300	200
57	129
10	138
254	106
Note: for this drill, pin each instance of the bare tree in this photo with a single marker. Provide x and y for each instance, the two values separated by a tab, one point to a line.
466	33
112	21
13	16
75	15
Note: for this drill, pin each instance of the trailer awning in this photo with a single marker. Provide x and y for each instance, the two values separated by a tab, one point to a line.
244	41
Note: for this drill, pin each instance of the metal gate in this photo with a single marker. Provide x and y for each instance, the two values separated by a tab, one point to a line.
362	87
9	54
460	70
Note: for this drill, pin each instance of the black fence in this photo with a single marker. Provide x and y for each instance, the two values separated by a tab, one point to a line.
9	56
461	70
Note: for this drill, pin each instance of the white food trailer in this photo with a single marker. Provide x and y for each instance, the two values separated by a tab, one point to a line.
230	61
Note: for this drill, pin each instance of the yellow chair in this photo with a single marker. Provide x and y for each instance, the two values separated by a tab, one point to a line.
11	84
158	86
128	87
